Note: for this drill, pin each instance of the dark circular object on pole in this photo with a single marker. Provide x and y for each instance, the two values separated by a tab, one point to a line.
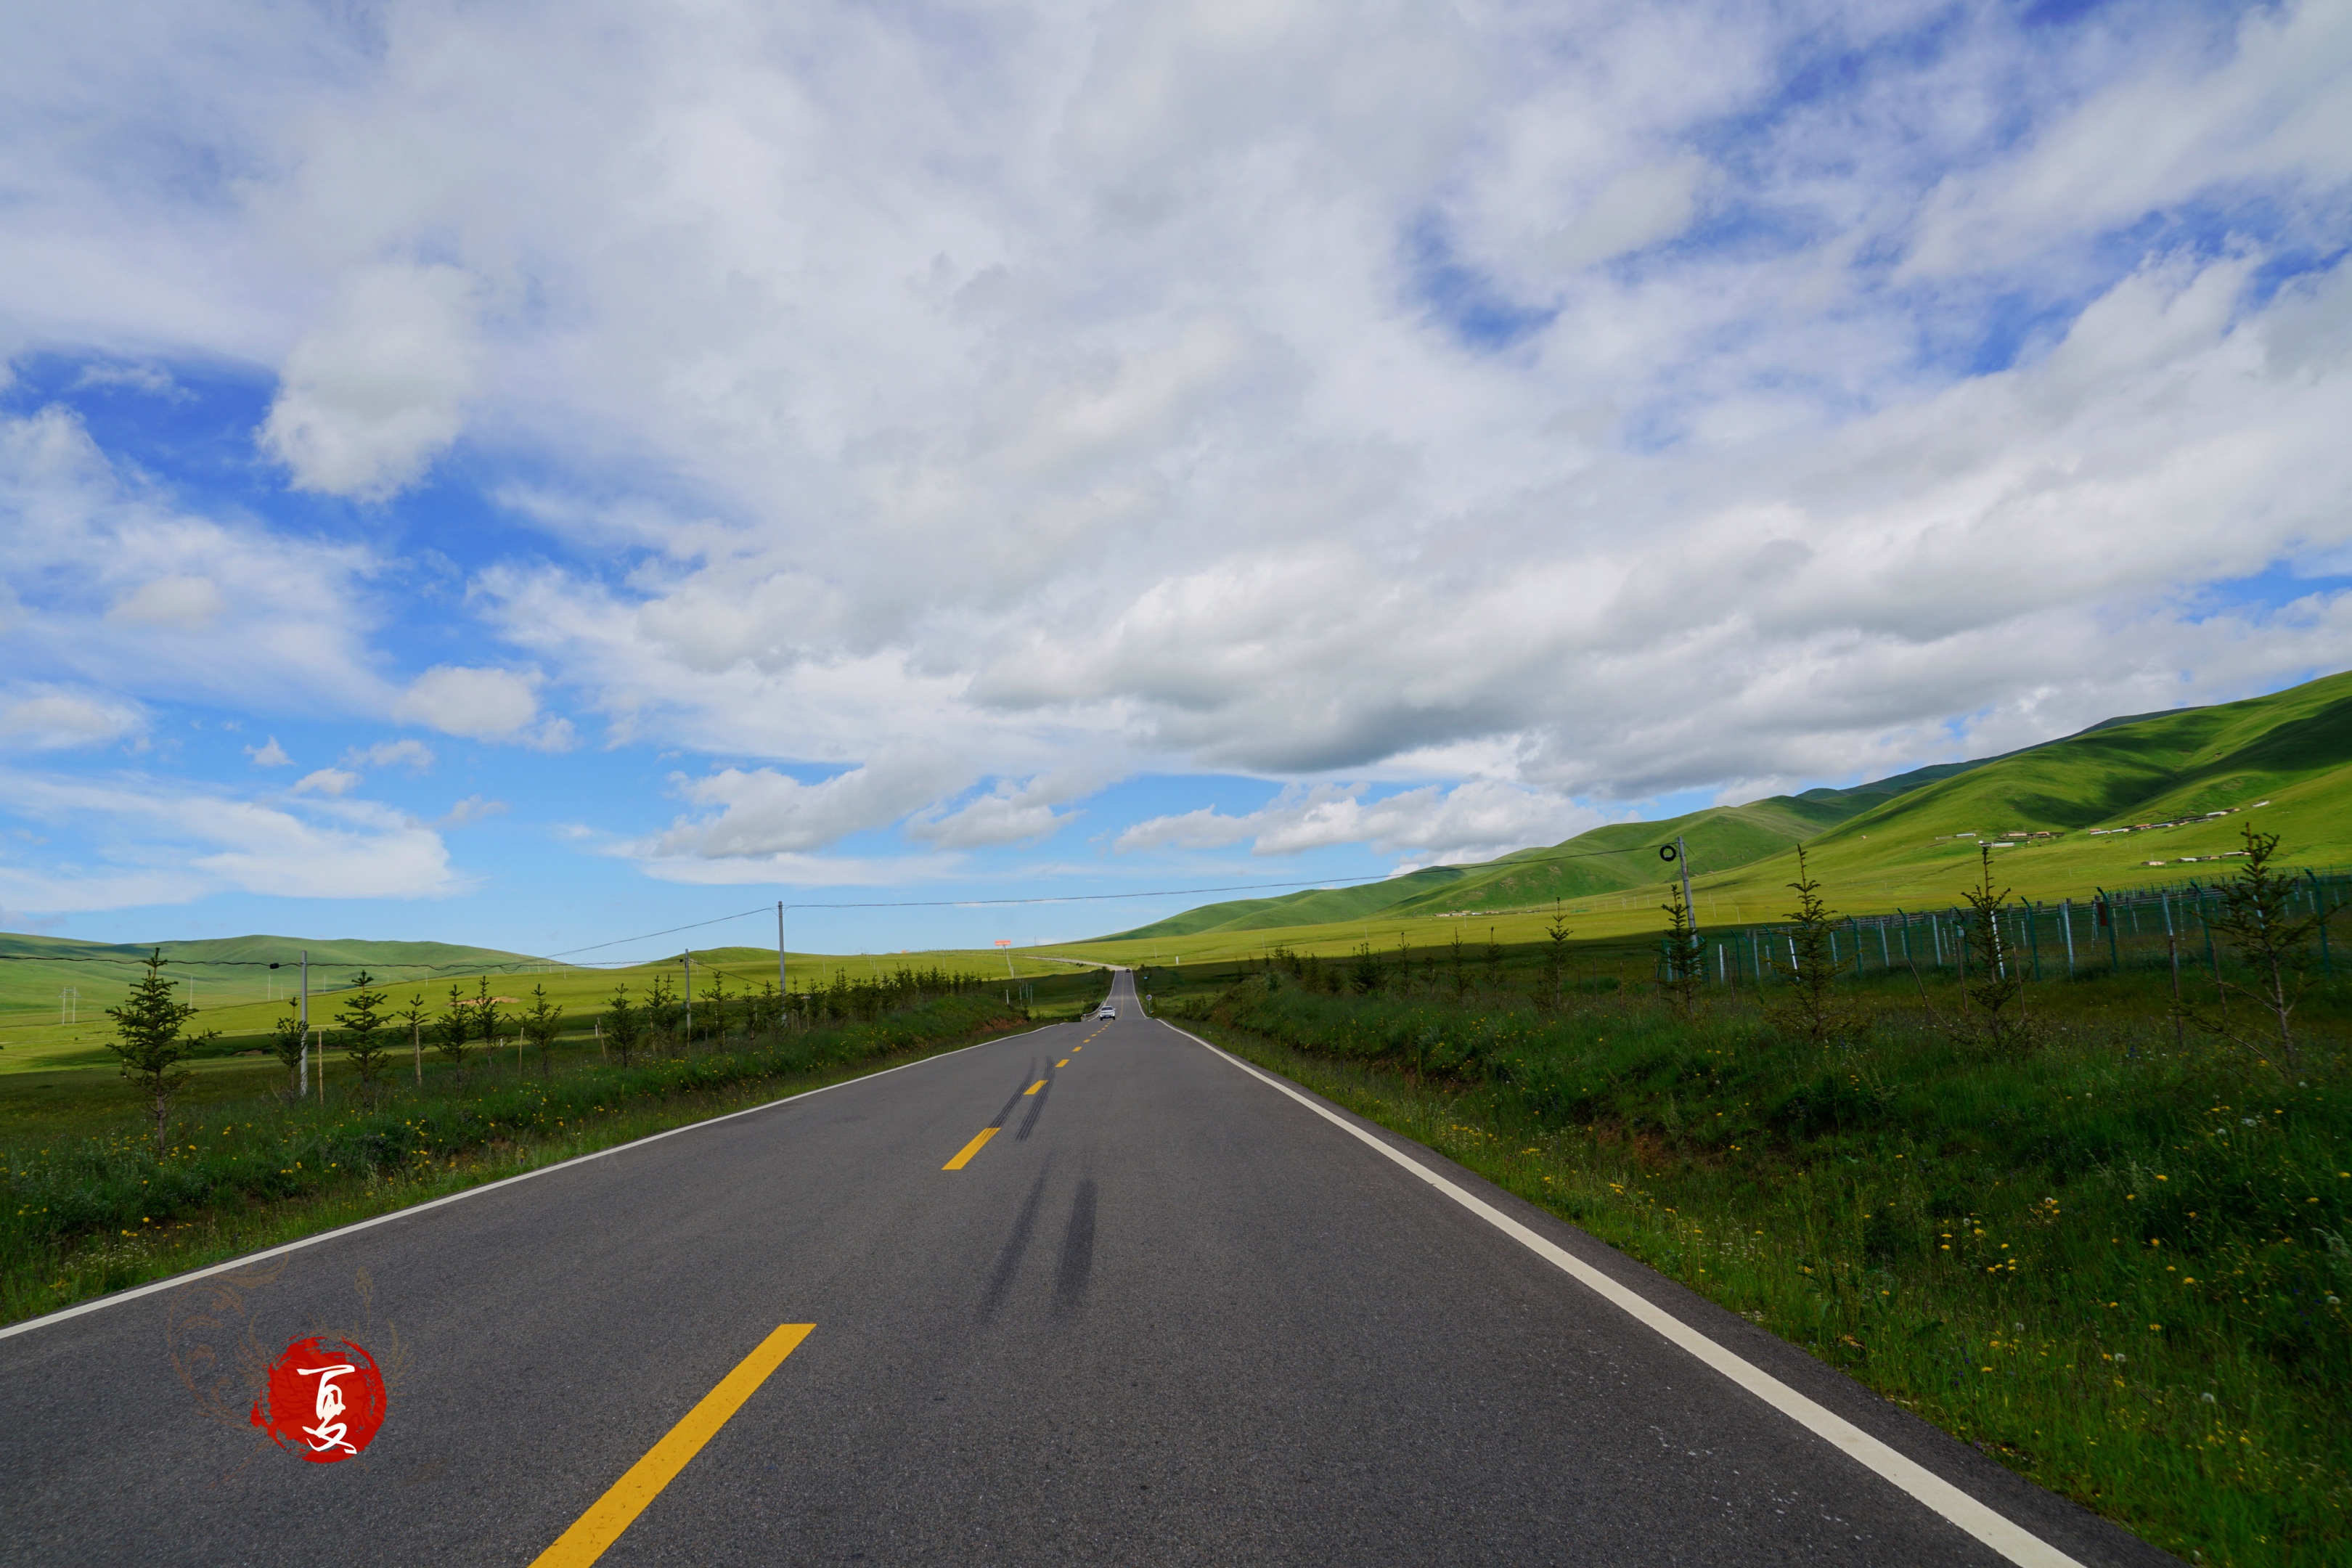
1666	851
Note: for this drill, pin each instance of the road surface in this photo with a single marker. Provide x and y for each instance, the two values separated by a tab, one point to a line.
1163	1313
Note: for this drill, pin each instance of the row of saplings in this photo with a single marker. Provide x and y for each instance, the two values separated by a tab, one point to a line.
2257	919
152	1039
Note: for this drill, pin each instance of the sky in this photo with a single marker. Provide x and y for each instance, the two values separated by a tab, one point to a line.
534	475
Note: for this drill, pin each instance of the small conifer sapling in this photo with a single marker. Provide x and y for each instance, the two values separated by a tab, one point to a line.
363	1023
452	1028
542	1022
1813	1007
151	1041
1683	958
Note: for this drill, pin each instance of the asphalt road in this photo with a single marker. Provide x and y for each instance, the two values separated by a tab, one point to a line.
1166	1314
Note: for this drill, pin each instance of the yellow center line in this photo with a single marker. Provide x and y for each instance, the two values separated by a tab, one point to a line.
1034	1087
614	1512
964	1155
1062	1063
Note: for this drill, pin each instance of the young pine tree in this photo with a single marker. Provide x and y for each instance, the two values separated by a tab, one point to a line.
151	1041
1461	971
1683	959
1556	935
1813	1007
542	1022
452	1028
413	1016
716	999
487	1018
1364	974
663	1014
2000	985
625	1025
363	1025
1493	962
285	1037
2270	940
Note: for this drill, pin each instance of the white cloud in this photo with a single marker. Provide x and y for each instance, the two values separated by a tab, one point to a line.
167	843
2271	113
1426	393
473	808
327	781
479	705
763	813
1009	813
185	604
1474	820
106	581
369	398
46	719
142	378
270	756
406	753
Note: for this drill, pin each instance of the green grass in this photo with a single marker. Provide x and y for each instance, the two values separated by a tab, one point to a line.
88	1206
2120	1268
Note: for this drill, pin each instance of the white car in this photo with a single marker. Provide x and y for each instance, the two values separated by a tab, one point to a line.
1108	1012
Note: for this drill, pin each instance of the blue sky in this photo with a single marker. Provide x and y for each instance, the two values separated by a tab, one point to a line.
534	477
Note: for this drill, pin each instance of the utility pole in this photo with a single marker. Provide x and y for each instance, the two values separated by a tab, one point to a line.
689	1001
1682	859
780	992
304	1087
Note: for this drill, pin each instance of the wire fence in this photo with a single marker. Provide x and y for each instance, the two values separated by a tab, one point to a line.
2115	930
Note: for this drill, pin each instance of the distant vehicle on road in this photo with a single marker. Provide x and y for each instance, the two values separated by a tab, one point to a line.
1107	1011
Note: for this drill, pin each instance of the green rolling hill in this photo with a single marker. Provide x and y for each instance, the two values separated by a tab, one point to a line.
2156	776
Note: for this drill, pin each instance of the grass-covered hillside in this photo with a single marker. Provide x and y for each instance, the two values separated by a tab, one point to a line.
2093	810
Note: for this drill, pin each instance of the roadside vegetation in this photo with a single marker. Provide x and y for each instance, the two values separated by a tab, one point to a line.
2099	1234
105	1183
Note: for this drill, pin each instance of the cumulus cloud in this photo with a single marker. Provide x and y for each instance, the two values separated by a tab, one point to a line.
269	754
1582	403
1009	813
49	719
482	704
405	753
1473	820
108	581
327	781
168	842
188	603
370	397
761	812
473	808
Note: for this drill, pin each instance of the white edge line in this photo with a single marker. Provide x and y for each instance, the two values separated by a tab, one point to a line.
247	1259
2010	1539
